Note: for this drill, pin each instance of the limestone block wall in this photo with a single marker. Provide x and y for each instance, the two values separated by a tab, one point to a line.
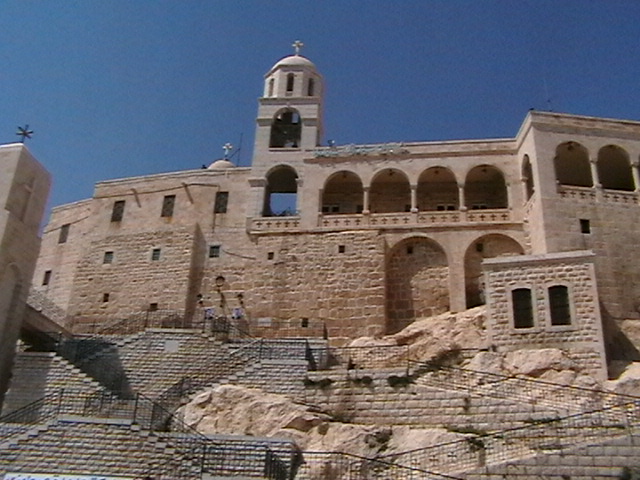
121	275
582	338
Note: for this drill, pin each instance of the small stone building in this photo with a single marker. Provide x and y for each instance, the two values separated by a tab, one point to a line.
350	240
24	188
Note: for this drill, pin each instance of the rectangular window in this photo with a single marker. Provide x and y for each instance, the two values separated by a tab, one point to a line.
153	307
559	307
585	226
47	277
105	297
222	199
522	308
342	248
64	233
167	206
155	254
118	211
214	251
108	257
270	256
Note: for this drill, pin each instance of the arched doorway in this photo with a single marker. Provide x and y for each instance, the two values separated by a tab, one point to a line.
437	190
417	282
487	246
485	187
342	193
390	192
571	164
281	192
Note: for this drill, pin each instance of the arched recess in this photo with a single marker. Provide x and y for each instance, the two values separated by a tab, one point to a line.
417	282
286	129
390	192
437	190
281	192
342	193
485	187
487	246
527	177
614	169
572	165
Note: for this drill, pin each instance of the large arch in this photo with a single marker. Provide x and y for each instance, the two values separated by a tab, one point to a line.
571	164
614	169
437	190
390	192
342	193
281	192
486	246
286	129
417	282
527	177
485	187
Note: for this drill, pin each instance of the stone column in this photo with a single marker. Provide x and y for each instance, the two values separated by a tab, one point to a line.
636	180
258	191
414	198
461	199
299	183
365	201
593	163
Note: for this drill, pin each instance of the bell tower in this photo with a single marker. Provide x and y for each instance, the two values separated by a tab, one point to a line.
290	111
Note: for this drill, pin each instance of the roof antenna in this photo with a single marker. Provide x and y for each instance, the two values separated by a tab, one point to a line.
546	93
237	152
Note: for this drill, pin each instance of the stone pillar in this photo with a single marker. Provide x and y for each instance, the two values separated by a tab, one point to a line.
461	199
299	184
414	198
258	190
457	287
636	176
596	178
365	201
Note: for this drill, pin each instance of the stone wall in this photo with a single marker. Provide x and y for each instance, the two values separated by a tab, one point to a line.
582	338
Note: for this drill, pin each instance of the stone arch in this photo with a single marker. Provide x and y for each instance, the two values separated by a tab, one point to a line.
485	187
437	190
614	168
342	193
390	192
486	246
527	177
281	192
286	129
571	164
417	279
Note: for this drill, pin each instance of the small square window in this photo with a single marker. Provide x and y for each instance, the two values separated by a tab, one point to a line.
479	247
585	226
105	297
155	254
153	307
304	322
409	249
222	199
118	211
342	249
108	257
64	233
47	277
214	251
167	206
270	256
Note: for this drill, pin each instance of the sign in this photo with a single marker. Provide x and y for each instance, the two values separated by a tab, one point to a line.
351	150
59	476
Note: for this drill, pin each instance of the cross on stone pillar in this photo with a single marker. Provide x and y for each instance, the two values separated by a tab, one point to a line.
297	45
24	133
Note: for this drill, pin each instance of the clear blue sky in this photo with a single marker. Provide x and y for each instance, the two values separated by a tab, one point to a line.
130	87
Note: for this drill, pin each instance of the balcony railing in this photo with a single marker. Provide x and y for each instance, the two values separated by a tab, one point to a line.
600	195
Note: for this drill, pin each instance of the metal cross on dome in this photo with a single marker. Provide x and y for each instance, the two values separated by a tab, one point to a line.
227	147
297	45
24	132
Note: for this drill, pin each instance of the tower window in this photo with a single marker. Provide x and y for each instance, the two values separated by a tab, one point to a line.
222	199
118	211
214	251
311	87
64	233
108	257
559	307
270	92
167	206
155	254
286	130
290	78
47	277
522	308
585	226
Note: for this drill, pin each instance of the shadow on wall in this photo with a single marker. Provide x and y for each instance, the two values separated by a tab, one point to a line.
618	346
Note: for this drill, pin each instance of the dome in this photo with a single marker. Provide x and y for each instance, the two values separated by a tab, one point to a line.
220	165
294	61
